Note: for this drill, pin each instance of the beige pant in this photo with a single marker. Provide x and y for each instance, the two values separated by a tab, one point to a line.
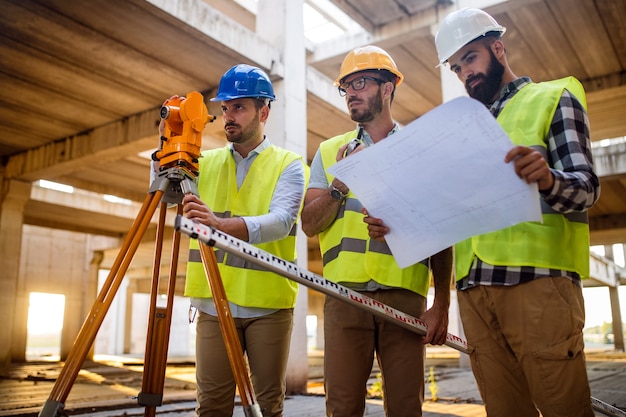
265	341
352	336
527	348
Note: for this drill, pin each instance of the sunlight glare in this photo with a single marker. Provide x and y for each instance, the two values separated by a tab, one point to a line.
56	186
45	313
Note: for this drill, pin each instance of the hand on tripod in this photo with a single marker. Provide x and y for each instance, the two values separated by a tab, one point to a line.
196	210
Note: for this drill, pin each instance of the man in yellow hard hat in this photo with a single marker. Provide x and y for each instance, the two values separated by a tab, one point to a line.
368	78
519	289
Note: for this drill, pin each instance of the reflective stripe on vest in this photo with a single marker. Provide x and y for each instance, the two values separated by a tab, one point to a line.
562	240
349	255
246	284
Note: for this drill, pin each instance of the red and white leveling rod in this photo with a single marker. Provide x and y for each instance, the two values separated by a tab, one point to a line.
309	279
230	244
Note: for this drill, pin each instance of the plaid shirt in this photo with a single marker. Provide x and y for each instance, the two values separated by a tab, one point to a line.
576	187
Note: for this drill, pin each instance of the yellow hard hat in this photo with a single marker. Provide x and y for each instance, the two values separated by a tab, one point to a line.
368	58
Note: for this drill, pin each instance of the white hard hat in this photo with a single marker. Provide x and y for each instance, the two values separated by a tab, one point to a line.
462	27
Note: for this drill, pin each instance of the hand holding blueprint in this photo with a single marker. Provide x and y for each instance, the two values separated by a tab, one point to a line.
439	180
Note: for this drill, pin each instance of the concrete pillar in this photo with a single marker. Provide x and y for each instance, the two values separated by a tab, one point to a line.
452	88
13	197
128	311
616	312
280	22
90	289
618	330
316	308
20	324
78	304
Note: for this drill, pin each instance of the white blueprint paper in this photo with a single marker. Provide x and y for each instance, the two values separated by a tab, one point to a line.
439	180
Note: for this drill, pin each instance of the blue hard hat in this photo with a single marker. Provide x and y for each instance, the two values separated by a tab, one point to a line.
244	81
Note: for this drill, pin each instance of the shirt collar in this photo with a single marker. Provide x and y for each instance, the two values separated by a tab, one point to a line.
260	148
507	92
514	86
368	139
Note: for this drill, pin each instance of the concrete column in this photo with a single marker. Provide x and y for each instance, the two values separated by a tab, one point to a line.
616	312
20	325
78	304
128	311
452	88
90	289
316	308
618	330
280	22
13	198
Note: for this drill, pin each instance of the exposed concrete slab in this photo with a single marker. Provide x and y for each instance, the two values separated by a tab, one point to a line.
104	388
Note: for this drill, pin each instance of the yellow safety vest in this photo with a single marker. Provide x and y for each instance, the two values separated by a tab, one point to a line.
245	283
349	255
562	241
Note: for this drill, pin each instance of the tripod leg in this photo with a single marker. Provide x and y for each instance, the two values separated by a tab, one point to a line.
231	340
92	323
159	324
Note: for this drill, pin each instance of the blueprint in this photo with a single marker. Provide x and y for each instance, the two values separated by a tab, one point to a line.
439	180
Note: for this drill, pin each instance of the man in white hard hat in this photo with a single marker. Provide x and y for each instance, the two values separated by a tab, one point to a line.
519	289
367	79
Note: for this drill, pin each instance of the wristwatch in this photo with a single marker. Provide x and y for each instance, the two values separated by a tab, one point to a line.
336	194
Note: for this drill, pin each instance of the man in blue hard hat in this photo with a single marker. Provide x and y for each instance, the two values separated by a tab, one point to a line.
253	191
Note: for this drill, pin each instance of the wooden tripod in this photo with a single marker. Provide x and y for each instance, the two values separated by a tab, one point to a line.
176	181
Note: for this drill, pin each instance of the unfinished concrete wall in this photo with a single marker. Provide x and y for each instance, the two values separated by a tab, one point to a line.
56	262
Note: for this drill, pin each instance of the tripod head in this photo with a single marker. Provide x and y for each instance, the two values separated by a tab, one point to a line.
178	155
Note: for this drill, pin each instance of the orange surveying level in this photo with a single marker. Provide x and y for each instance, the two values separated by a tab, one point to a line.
181	141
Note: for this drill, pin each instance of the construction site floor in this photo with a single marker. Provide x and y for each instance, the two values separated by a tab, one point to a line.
106	387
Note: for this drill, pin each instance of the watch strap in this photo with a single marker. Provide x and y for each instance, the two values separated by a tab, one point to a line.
336	194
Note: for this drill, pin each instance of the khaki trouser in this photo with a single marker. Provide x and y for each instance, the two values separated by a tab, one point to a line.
352	336
527	348
265	340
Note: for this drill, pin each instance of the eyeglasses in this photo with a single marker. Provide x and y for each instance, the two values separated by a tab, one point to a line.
357	84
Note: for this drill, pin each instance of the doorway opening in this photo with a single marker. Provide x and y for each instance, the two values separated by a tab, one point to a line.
45	323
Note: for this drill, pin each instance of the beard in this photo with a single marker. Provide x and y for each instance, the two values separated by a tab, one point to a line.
243	133
374	108
489	86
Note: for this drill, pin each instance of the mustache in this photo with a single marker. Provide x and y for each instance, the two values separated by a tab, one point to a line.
472	79
231	125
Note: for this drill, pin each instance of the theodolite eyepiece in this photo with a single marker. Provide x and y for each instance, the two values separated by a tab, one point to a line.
164	113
